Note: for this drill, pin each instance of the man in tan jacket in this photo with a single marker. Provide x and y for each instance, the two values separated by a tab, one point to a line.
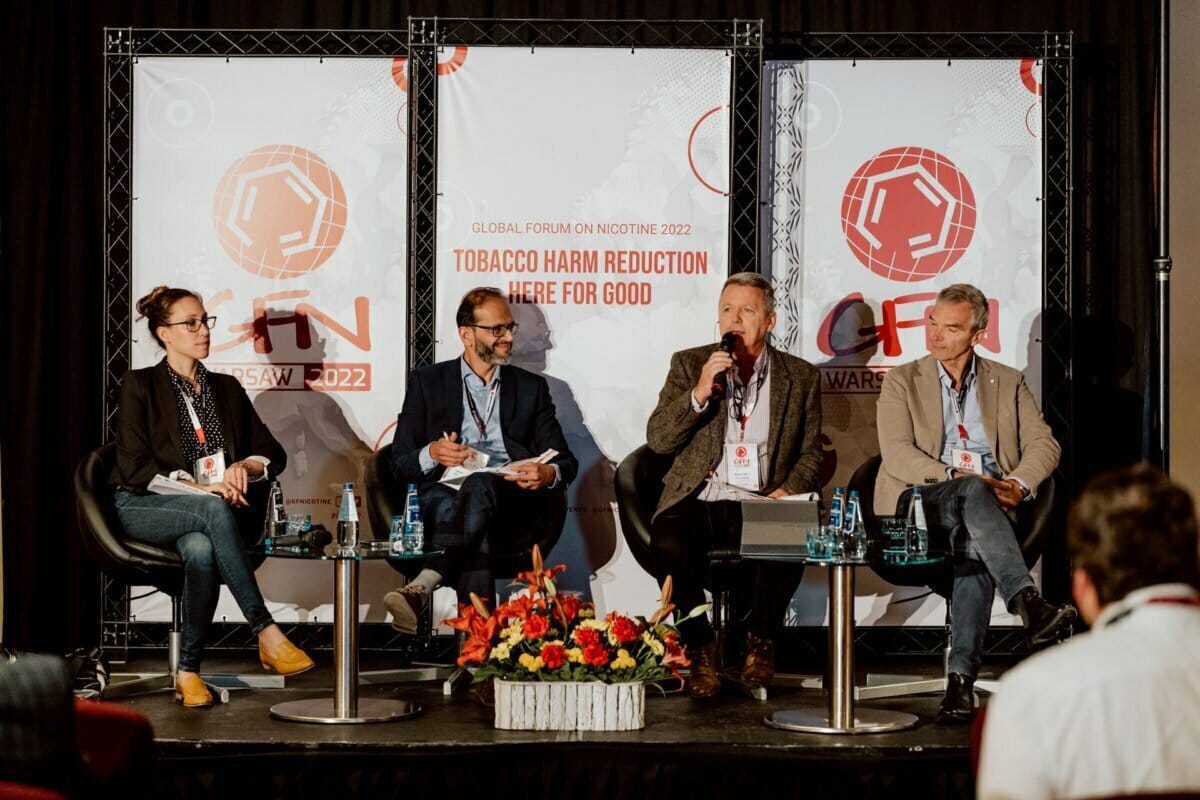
759	431
967	432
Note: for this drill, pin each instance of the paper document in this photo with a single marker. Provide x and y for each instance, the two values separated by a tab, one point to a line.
454	476
161	484
731	492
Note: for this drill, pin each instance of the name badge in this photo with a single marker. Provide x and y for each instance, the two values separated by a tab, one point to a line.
210	469
741	465
966	461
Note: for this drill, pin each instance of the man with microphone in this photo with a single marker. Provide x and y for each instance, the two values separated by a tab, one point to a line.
738	414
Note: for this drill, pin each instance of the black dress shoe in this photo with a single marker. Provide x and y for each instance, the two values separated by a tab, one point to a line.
1043	621
959	703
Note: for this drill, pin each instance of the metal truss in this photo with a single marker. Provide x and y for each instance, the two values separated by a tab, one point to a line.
422	192
133	42
882	642
744	147
911	45
685	34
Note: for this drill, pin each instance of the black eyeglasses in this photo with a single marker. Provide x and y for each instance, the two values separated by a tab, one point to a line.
499	330
193	325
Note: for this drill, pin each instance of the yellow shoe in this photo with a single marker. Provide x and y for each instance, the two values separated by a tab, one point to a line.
191	691
287	659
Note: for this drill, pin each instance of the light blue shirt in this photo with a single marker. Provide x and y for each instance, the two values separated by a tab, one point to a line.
490	440
964	406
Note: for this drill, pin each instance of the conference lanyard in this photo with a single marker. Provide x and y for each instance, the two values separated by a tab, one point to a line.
957	402
481	421
737	400
200	438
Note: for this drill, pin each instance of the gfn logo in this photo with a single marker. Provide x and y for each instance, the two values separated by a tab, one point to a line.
280	211
908	214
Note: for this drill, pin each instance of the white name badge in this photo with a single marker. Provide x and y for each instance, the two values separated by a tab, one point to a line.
741	465
966	461
210	469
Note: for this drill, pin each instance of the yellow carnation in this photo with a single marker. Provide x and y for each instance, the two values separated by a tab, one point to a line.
653	643
575	655
623	660
530	662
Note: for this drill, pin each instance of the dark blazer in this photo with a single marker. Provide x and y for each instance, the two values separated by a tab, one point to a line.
433	405
697	440
148	427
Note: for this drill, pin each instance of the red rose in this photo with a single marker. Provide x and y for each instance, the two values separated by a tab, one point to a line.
536	626
595	654
586	636
625	629
553	655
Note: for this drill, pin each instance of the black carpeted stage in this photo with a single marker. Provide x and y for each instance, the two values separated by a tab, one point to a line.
687	749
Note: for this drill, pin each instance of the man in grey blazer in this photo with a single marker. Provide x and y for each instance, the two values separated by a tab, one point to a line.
967	432
751	418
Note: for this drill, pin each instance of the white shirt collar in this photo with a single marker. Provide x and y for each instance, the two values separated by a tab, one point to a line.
1139	597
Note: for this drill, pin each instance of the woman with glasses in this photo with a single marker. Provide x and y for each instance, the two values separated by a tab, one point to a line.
178	420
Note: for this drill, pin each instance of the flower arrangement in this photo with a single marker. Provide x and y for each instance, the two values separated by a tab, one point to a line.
544	635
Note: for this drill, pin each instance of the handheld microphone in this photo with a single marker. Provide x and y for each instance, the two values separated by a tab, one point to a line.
727	343
315	537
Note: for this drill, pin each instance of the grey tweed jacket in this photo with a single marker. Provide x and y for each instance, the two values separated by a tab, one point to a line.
696	440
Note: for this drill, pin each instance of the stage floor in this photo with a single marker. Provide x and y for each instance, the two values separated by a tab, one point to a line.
688	748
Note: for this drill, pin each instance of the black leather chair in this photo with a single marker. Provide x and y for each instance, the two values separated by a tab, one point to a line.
1035	522
138	563
639	486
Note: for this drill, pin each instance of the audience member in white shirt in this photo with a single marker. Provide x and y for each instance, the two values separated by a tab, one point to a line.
1116	710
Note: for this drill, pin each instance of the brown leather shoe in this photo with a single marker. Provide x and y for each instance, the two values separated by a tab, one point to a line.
705	682
191	691
759	667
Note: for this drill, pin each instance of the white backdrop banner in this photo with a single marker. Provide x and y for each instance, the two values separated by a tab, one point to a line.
276	189
589	185
887	181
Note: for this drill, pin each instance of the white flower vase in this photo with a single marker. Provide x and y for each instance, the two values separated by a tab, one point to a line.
568	706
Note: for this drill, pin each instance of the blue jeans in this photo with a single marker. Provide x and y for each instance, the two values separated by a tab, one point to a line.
204	531
965	513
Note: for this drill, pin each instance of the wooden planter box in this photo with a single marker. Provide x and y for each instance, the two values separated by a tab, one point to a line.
563	706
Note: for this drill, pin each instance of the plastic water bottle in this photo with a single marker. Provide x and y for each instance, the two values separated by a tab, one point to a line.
854	534
396	536
414	526
347	524
918	533
835	509
275	521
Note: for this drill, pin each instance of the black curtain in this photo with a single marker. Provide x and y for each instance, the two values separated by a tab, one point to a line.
52	243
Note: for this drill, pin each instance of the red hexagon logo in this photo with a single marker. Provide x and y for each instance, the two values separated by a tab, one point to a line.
280	211
908	214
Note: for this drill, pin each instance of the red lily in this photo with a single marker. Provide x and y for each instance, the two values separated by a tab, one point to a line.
537	577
